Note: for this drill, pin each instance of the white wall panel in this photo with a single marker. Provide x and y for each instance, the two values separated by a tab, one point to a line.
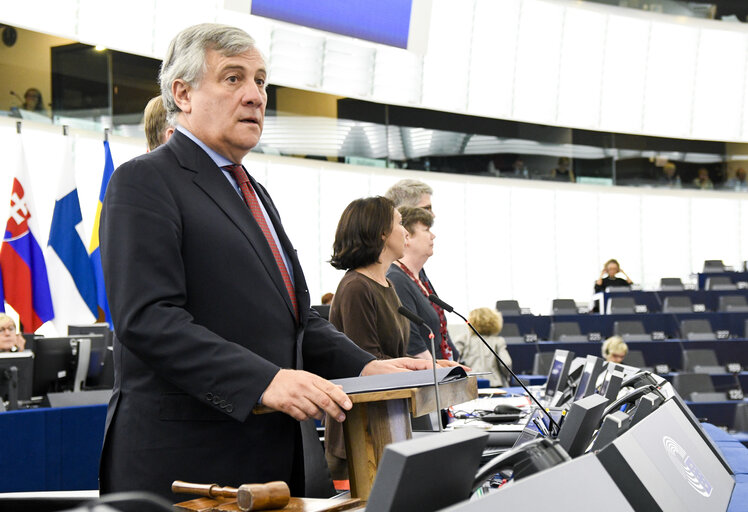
492	57
533	243
671	69
487	243
580	78
666	238
624	71
714	230
126	26
719	88
56	17
171	16
576	225
538	57
446	63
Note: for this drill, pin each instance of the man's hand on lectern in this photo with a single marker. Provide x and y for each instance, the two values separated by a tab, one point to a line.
303	395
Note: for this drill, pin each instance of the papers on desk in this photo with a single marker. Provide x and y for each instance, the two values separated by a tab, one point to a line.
400	380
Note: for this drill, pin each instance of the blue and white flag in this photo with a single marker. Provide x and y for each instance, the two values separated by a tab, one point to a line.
71	275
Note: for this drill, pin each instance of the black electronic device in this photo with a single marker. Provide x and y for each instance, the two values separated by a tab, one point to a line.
612	383
446	307
16	374
613	425
645	406
593	367
580	423
440	466
63	363
557	376
101	361
523	461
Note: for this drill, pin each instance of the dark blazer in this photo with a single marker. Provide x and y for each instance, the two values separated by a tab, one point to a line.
202	324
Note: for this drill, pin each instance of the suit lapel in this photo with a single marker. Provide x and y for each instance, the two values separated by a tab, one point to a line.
211	180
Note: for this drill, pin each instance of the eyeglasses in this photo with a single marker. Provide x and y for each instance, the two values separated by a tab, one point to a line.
8	328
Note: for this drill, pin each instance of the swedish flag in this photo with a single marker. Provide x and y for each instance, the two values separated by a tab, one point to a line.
93	249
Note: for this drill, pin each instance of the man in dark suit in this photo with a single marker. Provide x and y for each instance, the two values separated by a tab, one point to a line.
209	304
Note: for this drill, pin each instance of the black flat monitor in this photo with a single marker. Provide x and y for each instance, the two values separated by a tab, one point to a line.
580	424
427	473
63	364
101	364
593	367
614	425
558	374
16	375
612	383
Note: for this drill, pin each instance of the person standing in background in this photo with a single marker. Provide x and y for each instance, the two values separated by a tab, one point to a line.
608	276
157	128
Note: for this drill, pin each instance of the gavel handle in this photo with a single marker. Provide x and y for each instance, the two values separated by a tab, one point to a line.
208	490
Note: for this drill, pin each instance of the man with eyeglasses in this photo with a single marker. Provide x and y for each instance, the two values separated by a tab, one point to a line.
10	340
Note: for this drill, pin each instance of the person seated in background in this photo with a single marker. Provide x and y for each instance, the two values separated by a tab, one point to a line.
608	276
669	177
475	354
33	102
326	299
563	171
414	289
736	180
10	340
615	349
157	127
702	181
369	238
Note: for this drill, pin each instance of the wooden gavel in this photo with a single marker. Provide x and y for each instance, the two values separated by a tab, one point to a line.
248	496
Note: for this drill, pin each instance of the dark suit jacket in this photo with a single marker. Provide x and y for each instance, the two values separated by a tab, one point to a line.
203	323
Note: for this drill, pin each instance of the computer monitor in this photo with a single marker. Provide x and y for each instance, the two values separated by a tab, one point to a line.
613	426
63	364
593	366
557	376
580	424
16	374
612	383
441	467
101	364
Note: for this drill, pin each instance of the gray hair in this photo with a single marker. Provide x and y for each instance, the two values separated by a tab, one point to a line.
185	58
408	192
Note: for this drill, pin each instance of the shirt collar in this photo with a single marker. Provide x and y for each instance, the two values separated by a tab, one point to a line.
220	160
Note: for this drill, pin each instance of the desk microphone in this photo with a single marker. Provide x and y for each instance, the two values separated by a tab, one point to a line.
15	94
446	307
420	322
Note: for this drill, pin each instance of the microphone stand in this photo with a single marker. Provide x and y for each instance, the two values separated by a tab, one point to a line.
446	307
420	322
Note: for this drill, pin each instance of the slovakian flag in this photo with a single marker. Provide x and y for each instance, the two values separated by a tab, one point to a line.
71	274
93	248
21	259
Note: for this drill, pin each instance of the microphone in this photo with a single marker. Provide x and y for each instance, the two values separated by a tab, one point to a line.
446	307
421	322
13	93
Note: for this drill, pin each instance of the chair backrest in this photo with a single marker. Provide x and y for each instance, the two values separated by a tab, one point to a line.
734	303
510	329
687	383
635	358
740	423
745	329
698	357
677	304
699	326
323	310
714	266
707	396
720	283
621	305
541	363
563	307
559	328
622	327
671	284
508	307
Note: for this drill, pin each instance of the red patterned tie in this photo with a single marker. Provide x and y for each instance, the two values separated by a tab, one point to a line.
250	197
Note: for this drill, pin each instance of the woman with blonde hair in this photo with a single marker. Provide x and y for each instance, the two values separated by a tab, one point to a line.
615	349
10	340
476	355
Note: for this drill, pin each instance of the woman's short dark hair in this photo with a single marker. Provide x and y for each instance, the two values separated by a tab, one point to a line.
414	215
362	230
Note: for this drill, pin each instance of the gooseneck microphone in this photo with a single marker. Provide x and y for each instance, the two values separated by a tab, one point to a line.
446	307
420	322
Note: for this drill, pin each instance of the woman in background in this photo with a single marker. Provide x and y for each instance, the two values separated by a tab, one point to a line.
615	349
368	239
476	355
414	292
10	340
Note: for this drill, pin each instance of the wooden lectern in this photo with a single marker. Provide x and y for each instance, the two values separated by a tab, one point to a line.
379	418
